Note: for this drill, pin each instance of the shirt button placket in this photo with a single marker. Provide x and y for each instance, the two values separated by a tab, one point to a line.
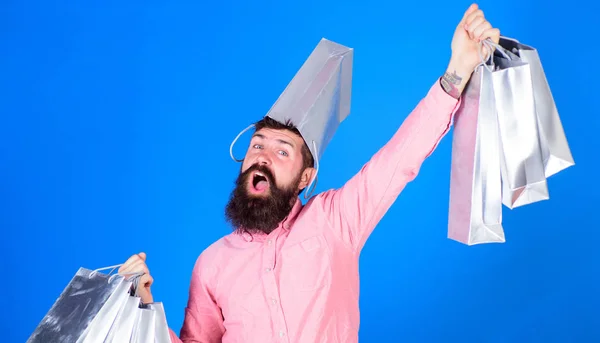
273	291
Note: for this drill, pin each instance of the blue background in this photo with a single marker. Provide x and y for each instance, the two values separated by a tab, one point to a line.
117	118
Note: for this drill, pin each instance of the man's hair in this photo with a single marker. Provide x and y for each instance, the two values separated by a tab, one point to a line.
270	123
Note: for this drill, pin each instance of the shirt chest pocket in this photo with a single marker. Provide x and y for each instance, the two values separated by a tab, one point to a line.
306	264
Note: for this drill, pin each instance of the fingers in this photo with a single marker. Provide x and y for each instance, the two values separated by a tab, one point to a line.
476	25
478	13
143	288
469	11
146	281
135	264
137	267
128	263
478	28
492	34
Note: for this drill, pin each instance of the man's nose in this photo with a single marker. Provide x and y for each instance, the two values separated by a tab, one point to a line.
263	158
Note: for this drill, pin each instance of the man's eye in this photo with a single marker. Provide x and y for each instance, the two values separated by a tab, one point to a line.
283	153
257	146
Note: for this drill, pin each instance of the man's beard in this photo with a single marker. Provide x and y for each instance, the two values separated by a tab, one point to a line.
264	212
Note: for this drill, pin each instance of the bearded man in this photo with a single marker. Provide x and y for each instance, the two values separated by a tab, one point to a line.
289	272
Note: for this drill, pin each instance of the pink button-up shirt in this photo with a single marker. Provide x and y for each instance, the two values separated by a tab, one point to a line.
300	283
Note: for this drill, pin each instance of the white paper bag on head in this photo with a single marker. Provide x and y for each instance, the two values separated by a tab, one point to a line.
317	99
85	309
555	148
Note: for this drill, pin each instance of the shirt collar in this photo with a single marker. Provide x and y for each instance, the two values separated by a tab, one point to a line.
285	224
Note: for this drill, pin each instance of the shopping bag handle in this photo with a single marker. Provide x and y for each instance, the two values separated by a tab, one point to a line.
308	194
134	276
235	140
489	46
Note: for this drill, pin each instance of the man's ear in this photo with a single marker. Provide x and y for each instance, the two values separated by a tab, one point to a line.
307	176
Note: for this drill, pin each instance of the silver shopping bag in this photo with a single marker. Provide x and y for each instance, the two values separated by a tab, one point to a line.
475	213
522	164
151	325
555	148
317	99
122	328
161	326
144	330
85	310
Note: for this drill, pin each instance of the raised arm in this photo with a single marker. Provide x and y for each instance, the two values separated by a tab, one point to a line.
354	210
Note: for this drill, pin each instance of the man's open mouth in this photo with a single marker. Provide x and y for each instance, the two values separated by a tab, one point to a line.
260	183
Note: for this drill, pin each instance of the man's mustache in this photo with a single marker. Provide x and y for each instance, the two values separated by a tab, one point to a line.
263	170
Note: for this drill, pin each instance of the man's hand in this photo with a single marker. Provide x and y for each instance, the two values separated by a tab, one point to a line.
466	45
137	264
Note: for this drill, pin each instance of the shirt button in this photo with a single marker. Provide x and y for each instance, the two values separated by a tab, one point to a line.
273	301
268	269
281	333
270	242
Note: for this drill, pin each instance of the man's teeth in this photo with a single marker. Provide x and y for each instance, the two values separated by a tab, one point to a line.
258	174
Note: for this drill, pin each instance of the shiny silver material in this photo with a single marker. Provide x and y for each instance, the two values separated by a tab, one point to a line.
84	311
507	140
318	98
104	320
139	323
144	330
475	214
555	148
523	179
161	325
100	308
122	328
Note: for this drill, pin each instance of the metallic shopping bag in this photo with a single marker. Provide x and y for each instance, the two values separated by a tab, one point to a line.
85	310
317	99
161	326
122	328
137	322
99	328
475	213
522	164
497	129
145	327
556	153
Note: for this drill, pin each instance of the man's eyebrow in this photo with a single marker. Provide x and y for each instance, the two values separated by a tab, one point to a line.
280	141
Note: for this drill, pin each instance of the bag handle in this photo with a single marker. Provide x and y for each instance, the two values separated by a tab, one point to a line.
133	276
308	194
490	46
112	269
235	140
